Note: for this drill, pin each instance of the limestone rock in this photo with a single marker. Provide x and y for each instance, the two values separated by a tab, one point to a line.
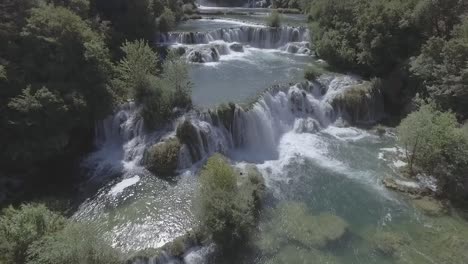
237	47
430	206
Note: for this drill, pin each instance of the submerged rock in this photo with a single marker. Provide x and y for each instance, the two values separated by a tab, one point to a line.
292	223
237	47
430	206
291	254
388	243
202	54
409	187
162	158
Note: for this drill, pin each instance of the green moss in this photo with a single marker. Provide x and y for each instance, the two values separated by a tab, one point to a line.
274	19
188	135
162	158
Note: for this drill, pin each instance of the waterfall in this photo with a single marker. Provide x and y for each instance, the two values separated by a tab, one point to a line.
255	36
256	130
120	142
248	132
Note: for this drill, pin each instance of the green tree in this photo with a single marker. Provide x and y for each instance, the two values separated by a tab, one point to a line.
75	244
435	143
442	68
176	78
274	19
135	68
61	87
225	212
20	228
167	20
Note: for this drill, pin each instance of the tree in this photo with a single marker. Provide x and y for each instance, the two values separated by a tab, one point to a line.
134	69
20	228
74	244
442	69
176	78
434	141
274	19
166	22
61	86
226	211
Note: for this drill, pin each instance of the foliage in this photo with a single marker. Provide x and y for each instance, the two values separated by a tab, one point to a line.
55	89
20	228
3	74
75	244
435	142
162	158
274	19
158	95
442	67
225	212
370	37
166	21
135	68
176	78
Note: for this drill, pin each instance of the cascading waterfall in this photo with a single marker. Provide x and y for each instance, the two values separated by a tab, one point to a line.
255	129
305	107
255	36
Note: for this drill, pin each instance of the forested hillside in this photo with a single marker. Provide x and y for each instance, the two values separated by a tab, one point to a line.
60	71
421	44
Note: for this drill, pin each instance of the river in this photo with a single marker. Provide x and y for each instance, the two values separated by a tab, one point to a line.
294	135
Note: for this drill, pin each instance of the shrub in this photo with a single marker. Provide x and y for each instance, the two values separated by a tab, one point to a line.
166	21
20	228
312	72
162	158
75	244
274	19
225	212
176	79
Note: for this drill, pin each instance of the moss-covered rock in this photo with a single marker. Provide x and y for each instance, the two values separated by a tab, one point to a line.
361	102
162	158
225	113
430	206
188	134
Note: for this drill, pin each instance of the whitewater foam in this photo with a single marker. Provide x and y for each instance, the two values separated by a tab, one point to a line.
125	183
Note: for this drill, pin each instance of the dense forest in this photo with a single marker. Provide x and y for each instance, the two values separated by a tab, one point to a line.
419	49
66	64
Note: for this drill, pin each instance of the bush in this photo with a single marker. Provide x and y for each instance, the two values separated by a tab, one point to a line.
274	19
176	79
162	158
166	22
434	142
20	228
225	212
312	72
75	244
